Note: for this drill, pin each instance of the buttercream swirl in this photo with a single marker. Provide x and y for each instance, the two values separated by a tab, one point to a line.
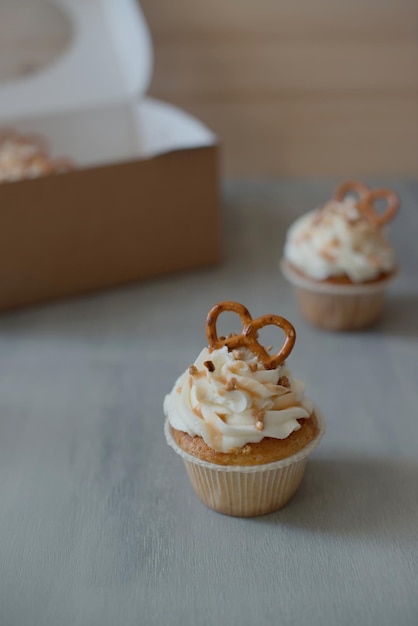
222	406
337	240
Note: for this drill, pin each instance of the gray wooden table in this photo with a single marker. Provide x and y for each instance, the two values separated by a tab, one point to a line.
98	522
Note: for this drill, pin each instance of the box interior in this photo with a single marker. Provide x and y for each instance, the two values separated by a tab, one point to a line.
91	122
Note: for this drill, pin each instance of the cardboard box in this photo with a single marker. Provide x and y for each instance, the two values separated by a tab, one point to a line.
144	197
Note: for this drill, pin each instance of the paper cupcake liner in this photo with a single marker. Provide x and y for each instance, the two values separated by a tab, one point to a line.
333	288
338	307
246	491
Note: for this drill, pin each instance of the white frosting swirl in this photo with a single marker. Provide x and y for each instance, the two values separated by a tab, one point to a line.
337	240
223	406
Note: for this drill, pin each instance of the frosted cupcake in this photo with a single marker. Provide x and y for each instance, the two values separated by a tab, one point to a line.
240	421
26	156
339	259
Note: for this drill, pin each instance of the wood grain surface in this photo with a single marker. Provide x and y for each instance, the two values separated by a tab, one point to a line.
295	88
98	522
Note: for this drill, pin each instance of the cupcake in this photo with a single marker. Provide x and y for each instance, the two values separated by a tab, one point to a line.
339	259
26	156
241	423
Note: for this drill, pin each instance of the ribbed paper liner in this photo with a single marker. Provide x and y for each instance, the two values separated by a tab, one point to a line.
338	307
246	491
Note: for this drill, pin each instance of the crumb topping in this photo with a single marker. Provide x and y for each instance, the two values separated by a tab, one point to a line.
231	384
259	419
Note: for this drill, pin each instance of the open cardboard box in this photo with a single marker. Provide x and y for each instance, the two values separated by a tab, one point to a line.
143	199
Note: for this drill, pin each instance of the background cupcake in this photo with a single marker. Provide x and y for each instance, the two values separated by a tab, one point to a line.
339	258
240	421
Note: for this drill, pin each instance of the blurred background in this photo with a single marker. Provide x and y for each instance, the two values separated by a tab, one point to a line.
295	88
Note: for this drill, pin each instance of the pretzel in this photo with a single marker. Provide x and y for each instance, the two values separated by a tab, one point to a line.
366	202
249	336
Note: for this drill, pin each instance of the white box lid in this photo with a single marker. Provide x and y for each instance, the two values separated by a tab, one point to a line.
108	60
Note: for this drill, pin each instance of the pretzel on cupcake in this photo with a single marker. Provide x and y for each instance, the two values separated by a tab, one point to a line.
367	199
248	338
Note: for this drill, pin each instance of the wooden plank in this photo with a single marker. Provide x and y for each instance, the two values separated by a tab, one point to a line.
302	137
295	88
197	70
287	20
99	523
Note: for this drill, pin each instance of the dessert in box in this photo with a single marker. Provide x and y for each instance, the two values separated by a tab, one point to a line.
339	259
24	156
240	421
142	196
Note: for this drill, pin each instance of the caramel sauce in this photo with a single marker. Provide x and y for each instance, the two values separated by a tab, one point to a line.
215	435
286	401
197	410
327	255
195	373
241	386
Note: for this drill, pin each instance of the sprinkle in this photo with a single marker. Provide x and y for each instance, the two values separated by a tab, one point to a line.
209	366
231	384
283	381
259	416
253	366
193	370
326	254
